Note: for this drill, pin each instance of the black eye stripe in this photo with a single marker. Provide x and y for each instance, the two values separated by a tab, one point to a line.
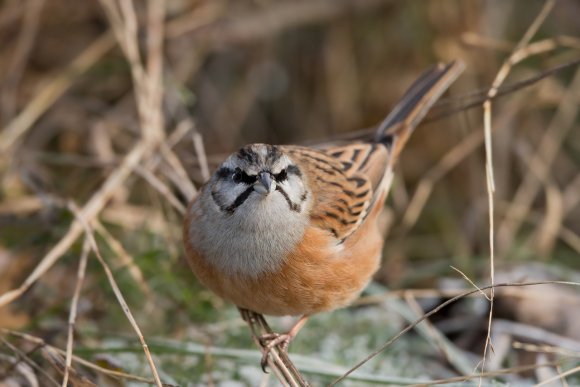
225	173
281	176
240	176
247	179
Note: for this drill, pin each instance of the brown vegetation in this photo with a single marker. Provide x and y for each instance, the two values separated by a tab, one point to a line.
114	112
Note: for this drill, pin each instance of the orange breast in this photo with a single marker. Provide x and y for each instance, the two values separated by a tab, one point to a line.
317	276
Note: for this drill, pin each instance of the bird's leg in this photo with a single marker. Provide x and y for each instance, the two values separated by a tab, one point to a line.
267	340
271	340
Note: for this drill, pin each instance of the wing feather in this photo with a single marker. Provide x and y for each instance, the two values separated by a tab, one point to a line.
348	181
344	182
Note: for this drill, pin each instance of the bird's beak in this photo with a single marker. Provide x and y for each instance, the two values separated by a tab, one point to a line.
265	184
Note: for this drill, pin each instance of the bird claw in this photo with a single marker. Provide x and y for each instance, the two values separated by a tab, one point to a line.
270	340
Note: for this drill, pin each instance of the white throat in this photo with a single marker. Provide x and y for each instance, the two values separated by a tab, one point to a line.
254	240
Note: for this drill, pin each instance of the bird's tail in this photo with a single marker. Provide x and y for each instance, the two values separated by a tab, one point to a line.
398	126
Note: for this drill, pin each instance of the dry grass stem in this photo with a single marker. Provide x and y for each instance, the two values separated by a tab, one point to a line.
115	287
570	195
21	356
148	101
51	91
471	282
201	156
131	218
560	376
105	371
476	40
439	341
124	24
547	150
544	348
446	293
154	160
162	188
487	114
18	61
548	231
461	151
178	174
73	309
402	293
488	374
452	105
88	122
449	161
155	37
126	260
568	236
538	335
201	16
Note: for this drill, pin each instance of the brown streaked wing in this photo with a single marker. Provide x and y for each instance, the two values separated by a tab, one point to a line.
368	159
341	192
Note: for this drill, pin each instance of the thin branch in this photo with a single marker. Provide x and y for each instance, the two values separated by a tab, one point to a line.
162	188
278	361
105	371
73	309
546	153
559	376
18	60
500	77
115	287
471	282
125	258
22	356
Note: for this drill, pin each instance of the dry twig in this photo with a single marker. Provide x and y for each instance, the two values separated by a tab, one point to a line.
73	309
278	361
40	343
515	57
118	294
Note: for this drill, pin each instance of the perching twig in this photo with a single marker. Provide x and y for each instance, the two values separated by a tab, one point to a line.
278	361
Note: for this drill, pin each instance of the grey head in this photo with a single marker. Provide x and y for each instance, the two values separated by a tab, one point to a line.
258	174
253	213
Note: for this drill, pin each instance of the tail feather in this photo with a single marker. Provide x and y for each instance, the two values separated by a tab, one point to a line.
398	126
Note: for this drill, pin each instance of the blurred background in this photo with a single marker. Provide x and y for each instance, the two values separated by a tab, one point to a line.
116	112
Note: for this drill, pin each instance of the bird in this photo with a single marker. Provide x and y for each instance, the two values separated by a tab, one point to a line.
293	230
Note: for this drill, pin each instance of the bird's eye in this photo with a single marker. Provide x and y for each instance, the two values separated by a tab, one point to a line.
237	176
283	175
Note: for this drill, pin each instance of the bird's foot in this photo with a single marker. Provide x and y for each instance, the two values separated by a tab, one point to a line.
270	340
